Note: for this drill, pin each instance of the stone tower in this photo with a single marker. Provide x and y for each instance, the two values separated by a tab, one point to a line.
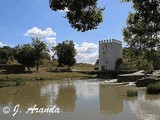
109	52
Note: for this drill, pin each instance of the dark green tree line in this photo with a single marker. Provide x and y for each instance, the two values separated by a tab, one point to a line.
6	54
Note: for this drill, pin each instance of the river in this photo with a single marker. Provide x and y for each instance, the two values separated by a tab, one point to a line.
78	100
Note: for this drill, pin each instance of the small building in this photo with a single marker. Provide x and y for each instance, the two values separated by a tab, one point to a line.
109	52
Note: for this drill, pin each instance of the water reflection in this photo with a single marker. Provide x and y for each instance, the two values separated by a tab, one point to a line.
66	98
146	107
111	101
85	99
25	96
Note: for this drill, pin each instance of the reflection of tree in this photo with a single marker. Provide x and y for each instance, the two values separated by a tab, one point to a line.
146	109
26	96
152	97
110	99
66	98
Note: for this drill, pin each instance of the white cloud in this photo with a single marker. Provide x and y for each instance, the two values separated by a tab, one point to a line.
51	42
49	36
1	44
65	10
86	90
86	52
36	32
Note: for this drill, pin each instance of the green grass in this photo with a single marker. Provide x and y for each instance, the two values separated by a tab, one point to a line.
12	83
43	75
153	88
131	93
86	67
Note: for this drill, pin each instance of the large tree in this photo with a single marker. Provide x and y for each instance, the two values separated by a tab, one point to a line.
40	51
83	15
143	28
25	55
31	55
66	53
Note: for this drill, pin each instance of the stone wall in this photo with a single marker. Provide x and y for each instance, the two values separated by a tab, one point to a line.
109	52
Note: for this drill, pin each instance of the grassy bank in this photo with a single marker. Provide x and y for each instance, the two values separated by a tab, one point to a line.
14	79
43	75
11	83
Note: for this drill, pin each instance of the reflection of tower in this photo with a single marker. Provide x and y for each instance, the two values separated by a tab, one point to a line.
110	99
66	98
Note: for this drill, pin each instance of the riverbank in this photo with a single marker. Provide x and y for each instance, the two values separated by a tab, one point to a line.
11	79
43	75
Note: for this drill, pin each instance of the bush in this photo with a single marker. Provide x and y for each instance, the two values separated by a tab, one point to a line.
153	88
145	65
131	93
19	82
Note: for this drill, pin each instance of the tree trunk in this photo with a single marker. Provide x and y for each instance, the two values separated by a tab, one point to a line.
37	66
28	69
68	67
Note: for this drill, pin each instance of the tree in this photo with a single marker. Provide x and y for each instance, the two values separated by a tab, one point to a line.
6	53
40	51
66	53
25	55
143	28
31	55
83	15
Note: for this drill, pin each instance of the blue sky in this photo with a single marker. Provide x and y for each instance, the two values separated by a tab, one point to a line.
17	17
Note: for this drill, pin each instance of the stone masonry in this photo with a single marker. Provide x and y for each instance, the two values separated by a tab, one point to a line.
109	52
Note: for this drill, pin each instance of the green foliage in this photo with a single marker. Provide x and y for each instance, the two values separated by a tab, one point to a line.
6	54
139	59
83	15
11	82
19	82
97	62
40	51
31	55
66	53
118	63
131	93
143	25
143	64
142	33
25	55
49	63
153	88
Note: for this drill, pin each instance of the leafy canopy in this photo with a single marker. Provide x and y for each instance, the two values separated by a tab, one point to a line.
24	54
6	53
40	51
65	52
142	33
31	55
83	15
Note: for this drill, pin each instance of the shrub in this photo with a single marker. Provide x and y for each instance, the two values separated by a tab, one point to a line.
19	82
145	65
131	93
153	88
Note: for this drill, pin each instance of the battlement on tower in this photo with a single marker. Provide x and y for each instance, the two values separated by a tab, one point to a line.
110	41
109	52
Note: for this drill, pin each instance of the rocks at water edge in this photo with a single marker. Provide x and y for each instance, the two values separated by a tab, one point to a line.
146	81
